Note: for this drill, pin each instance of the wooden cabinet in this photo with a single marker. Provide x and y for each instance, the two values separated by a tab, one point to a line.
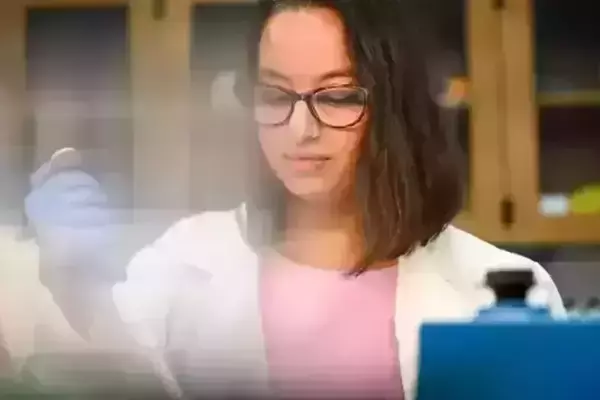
65	74
521	85
468	34
109	77
78	88
520	82
552	53
12	104
221	133
464	53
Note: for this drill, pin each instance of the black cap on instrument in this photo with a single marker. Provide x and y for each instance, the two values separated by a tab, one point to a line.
510	284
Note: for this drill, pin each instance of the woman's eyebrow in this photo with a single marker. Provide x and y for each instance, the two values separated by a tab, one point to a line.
337	73
269	73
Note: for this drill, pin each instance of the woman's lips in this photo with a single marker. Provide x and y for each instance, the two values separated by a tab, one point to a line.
307	164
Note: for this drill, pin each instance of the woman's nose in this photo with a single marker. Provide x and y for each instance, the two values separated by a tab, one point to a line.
302	123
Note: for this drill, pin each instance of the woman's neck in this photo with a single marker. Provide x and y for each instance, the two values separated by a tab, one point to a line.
323	235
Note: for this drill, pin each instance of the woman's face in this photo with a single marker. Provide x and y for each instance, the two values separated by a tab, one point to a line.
302	51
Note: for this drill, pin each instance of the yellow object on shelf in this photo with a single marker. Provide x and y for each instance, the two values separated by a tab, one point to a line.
586	200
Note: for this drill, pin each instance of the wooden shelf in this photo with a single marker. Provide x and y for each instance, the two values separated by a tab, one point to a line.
548	99
569	99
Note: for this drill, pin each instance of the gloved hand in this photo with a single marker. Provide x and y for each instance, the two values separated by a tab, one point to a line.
75	228
77	236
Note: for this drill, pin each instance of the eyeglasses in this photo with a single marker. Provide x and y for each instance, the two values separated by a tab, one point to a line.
336	107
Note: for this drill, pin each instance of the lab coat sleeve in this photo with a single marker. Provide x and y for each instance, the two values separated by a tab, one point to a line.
154	277
143	302
131	318
547	292
143	299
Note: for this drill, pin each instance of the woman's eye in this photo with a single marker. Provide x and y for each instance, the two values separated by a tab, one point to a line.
272	96
341	98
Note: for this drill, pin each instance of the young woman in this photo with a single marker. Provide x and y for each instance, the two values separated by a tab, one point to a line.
317	285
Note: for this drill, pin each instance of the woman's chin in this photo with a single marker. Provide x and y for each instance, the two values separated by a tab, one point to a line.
313	192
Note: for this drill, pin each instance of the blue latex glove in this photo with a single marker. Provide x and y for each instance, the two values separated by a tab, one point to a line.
69	211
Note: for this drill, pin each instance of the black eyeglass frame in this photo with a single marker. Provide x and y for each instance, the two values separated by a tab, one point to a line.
308	98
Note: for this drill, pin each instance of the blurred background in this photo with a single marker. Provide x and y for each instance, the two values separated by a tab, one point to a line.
144	88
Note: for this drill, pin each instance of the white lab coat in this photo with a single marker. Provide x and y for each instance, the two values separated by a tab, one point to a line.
192	298
30	320
33	325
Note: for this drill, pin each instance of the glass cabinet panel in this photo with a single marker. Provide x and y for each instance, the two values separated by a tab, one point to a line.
79	90
444	29
567	83
221	130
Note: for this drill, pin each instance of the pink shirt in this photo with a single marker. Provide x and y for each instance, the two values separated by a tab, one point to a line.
329	335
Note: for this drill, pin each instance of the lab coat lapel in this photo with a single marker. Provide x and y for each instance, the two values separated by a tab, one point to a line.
430	287
424	293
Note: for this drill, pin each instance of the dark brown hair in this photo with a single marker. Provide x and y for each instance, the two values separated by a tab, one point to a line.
408	180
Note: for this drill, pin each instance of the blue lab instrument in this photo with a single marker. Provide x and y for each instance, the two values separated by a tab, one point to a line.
510	351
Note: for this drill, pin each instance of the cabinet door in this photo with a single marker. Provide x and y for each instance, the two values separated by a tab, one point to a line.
222	129
12	105
160	51
466	40
101	76
78	89
553	118
65	81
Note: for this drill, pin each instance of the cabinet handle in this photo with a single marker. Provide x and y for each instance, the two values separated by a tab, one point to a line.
159	9
507	212
499	5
